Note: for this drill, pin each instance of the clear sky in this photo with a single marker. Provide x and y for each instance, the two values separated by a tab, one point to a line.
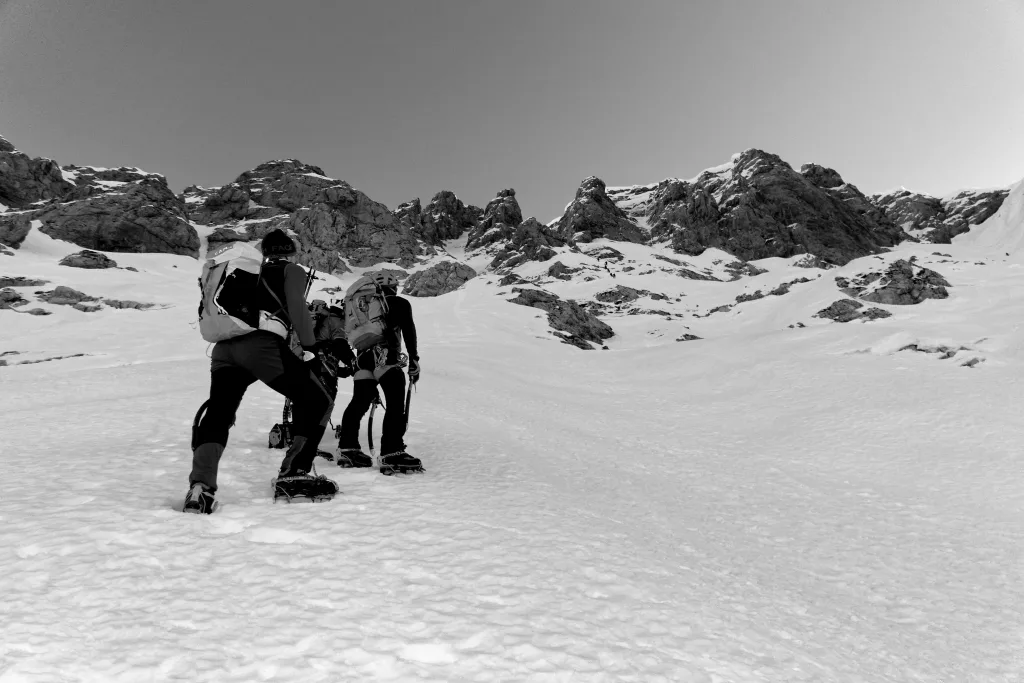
408	97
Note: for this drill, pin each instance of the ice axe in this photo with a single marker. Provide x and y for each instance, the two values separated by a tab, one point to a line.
369	423
408	402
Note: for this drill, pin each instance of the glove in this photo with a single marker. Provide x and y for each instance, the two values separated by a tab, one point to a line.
345	370
414	370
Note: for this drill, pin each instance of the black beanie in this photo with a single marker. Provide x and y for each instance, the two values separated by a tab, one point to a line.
277	243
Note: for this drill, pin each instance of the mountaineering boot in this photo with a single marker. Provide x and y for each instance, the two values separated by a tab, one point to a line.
199	500
326	455
304	486
353	457
400	462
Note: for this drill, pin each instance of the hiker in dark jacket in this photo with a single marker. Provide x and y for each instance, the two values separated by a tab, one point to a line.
331	345
382	365
264	355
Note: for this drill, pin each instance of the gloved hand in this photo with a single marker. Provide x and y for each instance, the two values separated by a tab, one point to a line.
414	370
345	370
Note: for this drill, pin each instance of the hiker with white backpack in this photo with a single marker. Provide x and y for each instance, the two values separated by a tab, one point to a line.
377	321
250	304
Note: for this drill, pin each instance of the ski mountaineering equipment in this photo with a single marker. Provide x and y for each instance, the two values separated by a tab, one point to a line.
365	312
281	433
199	501
353	457
228	305
369	424
398	462
314	487
408	403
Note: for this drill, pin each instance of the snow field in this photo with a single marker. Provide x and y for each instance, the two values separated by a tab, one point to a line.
766	504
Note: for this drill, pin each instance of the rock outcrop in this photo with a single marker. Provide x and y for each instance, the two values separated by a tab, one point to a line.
573	324
931	219
88	259
440	278
25	180
899	285
845	310
120	210
445	218
528	241
20	281
331	219
501	216
592	215
513	241
620	294
142	216
9	298
757	206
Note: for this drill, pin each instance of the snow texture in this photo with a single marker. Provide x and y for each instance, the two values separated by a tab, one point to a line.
766	504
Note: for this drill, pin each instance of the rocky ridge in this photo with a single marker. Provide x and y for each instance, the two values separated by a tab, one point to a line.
758	206
939	220
118	210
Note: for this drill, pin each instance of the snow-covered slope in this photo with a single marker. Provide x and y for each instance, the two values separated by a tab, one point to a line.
1004	230
768	503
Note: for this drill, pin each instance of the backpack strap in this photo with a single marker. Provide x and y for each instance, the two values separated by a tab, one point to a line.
281	307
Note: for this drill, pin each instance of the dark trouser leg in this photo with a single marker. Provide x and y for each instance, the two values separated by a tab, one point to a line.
311	408
227	386
363	393
392	435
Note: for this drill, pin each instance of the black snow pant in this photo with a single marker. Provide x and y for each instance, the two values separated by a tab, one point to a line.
236	364
393	430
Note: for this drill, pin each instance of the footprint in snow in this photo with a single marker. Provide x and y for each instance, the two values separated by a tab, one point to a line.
428	653
281	536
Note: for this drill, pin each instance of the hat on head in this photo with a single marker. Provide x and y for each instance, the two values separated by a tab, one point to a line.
277	243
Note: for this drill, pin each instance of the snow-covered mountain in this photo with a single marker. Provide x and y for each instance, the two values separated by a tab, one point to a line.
803	466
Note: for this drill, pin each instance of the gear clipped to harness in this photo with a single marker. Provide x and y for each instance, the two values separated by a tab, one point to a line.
366	311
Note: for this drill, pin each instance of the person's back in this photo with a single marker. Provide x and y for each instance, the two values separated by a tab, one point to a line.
264	355
382	365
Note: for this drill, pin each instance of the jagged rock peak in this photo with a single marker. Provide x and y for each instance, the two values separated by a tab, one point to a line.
753	161
592	215
279	168
822	176
756	206
444	218
5	146
592	187
500	218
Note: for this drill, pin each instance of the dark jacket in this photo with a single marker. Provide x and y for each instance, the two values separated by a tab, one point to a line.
287	281
399	324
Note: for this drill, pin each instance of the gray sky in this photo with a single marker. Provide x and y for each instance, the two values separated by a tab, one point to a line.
406	98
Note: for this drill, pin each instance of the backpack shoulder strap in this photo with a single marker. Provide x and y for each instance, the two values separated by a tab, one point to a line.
281	308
